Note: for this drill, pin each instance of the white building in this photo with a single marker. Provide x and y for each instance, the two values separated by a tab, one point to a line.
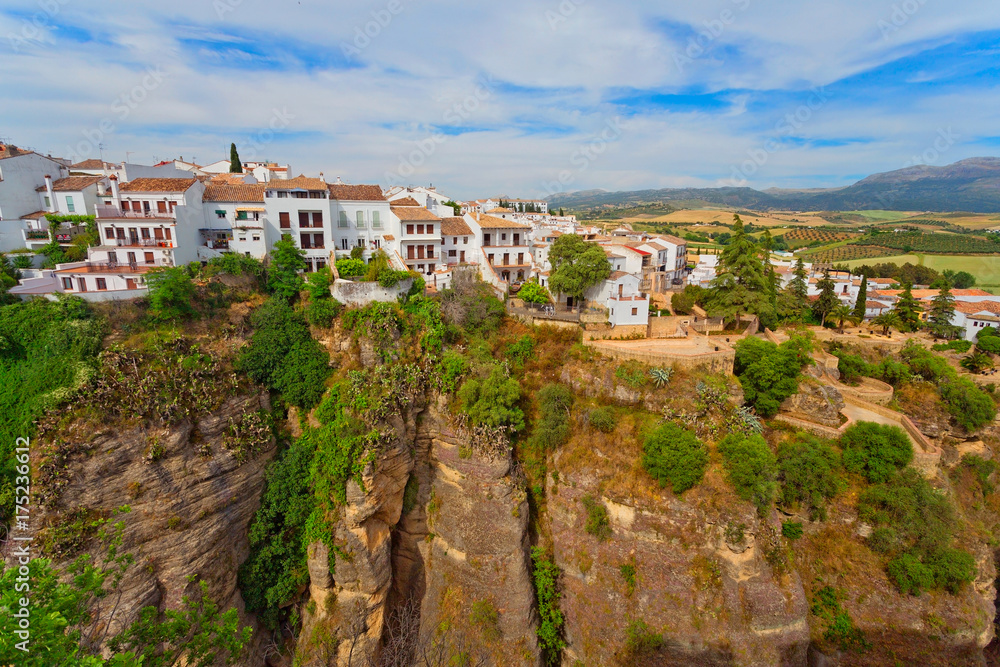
419	236
621	295
235	218
505	247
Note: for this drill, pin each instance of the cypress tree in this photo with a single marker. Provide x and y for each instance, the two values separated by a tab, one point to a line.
859	306
942	311
741	285
235	166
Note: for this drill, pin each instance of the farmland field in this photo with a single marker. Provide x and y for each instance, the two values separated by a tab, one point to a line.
986	268
942	243
801	237
848	252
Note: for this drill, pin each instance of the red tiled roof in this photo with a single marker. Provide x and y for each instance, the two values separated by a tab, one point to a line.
491	222
92	163
35	215
972	307
416	213
7	150
454	227
71	183
158	185
300	182
405	201
343	192
234	193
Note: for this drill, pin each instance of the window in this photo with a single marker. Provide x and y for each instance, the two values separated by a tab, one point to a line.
282	195
503	237
83	284
317	240
48	202
166	231
284	221
317	218
303	219
241	238
465	240
305	241
377	243
360	218
71	207
158	233
145	233
67	283
102	284
376	220
343	244
453	253
109	233
343	220
161	207
454	241
420	229
256	237
409	229
362	242
635	311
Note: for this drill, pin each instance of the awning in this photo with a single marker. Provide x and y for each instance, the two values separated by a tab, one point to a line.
219	212
252	209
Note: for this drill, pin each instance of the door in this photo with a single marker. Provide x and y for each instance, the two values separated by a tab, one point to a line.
133	236
112	257
130	283
486	240
506	259
461	257
409	252
517	239
620	289
148	257
131	258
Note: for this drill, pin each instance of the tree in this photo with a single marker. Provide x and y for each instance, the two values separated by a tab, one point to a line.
561	212
860	306
886	321
960	280
875	451
769	373
576	266
674	455
799	285
843	313
908	310
942	311
741	284
286	262
493	401
235	166
827	298
532	292
751	468
171	293
971	407
809	471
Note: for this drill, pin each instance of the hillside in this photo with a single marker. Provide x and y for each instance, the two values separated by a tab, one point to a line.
968	185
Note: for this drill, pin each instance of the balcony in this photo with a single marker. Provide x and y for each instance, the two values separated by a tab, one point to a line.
426	256
138	243
34	235
314	247
112	267
115	212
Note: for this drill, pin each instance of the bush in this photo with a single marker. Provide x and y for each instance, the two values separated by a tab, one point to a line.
552	427
493	401
910	575
603	419
532	292
484	615
302	374
641	641
751	468
171	293
470	304
960	346
875	451
791	530
769	373
318	284
675	456
453	367
351	268
322	312
971	407
521	350
809	471
545	576
597	523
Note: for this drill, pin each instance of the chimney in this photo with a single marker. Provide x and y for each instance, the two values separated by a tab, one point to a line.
50	193
322	177
114	191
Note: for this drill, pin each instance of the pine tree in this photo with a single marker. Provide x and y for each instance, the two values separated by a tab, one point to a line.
741	285
772	277
942	311
827	301
860	306
908	310
235	166
799	285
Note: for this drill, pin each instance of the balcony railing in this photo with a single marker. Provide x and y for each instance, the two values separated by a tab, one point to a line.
140	243
115	212
116	267
32	235
426	256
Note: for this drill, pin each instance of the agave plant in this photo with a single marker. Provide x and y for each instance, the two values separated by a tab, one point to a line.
661	376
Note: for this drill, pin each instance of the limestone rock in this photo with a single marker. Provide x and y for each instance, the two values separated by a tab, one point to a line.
815	402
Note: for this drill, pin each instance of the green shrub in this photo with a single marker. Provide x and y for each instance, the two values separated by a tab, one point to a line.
960	346
910	575
952	568
971	407
485	616
597	523
603	419
840	628
454	366
521	350
171	293
303	373
633	374
629	576
982	469
769	373
322	312
493	401
318	284
809	470
351	268
545	576
791	530
552	427
532	292
875	451
641	641
675	456
751	468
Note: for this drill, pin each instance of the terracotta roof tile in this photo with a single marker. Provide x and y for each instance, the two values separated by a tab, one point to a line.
454	227
405	201
300	182
158	185
34	216
7	150
490	222
234	193
416	213
343	192
71	183
972	307
92	163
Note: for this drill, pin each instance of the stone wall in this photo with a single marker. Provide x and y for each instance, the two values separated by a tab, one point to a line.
711	362
352	293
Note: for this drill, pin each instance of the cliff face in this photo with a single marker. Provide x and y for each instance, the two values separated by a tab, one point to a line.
191	503
433	558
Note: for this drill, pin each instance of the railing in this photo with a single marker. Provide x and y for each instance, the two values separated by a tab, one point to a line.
426	256
117	267
30	234
115	212
140	243
314	247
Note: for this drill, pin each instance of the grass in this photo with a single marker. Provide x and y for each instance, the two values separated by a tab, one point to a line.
986	268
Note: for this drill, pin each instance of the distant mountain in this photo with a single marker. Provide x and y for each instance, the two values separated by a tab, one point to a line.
968	185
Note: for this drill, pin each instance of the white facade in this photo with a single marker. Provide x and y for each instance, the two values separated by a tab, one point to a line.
20	174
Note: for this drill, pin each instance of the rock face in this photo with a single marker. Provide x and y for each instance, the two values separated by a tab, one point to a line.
441	532
190	508
815	402
705	585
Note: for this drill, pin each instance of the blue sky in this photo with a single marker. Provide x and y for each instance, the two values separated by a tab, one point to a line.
519	98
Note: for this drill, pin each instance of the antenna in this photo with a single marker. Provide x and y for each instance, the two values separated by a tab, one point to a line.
100	147
127	153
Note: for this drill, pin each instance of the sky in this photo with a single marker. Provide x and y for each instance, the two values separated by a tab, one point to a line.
516	98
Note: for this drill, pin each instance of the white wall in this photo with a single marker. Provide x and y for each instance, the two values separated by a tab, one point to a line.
19	178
